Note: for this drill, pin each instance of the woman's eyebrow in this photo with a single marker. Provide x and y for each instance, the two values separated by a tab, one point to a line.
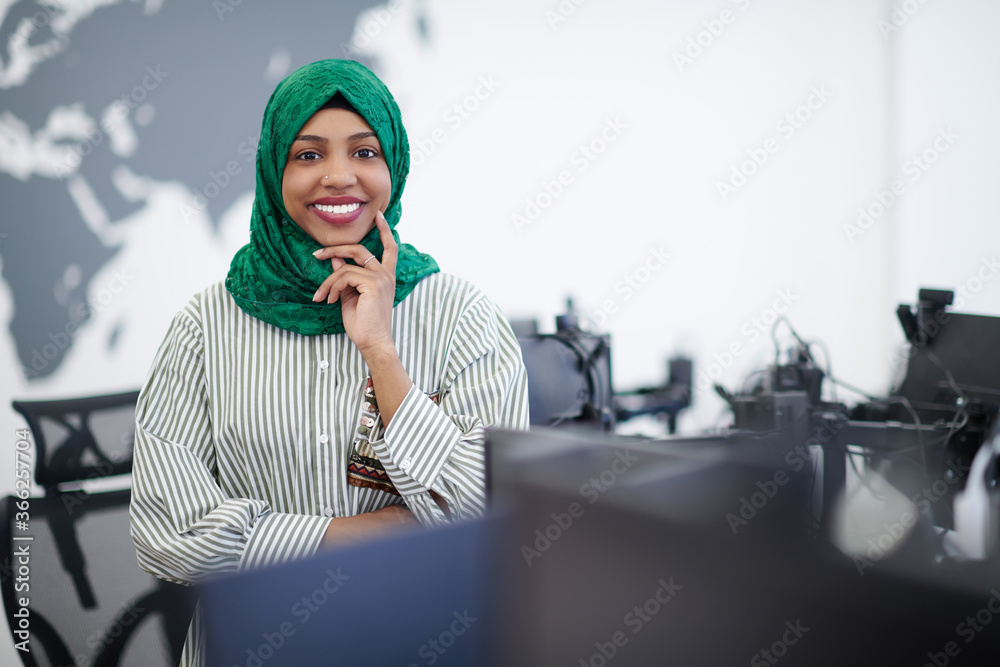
315	137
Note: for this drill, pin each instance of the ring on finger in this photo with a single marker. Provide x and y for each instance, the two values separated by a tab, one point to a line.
367	260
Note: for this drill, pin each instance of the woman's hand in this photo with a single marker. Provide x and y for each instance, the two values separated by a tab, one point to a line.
390	520
366	291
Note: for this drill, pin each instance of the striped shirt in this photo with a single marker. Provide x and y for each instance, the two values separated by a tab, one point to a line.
244	430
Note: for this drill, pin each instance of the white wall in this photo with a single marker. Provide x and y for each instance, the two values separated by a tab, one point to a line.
655	186
944	228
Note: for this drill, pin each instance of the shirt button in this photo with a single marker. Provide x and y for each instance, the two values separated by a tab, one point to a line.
324	438
323	365
405	465
327	511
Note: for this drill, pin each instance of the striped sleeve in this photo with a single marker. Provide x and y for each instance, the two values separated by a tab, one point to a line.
440	447
184	527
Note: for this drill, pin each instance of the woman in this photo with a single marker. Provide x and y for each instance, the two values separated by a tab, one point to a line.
336	386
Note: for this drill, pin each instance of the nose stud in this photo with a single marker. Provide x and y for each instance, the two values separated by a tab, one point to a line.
326	177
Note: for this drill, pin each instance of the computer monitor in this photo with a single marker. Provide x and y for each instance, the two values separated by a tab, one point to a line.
644	553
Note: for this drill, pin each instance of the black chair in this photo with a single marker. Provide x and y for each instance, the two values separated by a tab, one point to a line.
90	603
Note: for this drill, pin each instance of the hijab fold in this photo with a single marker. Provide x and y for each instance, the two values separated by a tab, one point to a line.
274	277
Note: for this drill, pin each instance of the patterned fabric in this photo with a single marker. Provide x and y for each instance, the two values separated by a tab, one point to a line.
275	276
245	431
365	469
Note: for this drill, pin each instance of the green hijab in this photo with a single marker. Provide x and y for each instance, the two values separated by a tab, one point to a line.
275	276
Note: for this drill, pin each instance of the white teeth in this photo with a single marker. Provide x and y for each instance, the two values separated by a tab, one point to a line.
339	208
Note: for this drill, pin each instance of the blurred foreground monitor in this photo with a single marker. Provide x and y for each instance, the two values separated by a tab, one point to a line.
601	548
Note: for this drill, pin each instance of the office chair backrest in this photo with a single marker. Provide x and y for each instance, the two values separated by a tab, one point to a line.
90	603
81	438
114	626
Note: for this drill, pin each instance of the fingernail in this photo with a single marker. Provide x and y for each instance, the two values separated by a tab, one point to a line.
316	254
316	296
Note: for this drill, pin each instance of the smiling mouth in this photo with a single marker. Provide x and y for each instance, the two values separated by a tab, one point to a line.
338	209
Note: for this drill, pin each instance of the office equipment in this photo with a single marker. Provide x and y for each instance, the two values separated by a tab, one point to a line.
695	551
923	438
666	400
570	379
569	374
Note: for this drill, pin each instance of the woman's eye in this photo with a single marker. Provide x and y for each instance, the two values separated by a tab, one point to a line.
309	155
366	153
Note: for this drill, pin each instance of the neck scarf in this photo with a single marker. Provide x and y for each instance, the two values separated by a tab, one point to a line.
274	277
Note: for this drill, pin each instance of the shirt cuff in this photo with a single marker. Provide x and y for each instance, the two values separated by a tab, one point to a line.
417	444
277	538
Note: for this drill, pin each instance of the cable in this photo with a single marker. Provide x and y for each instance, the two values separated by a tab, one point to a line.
573	412
760	435
591	372
962	400
589	367
829	365
816	520
902	400
863	479
958	421
806	348
791	329
947	373
759	371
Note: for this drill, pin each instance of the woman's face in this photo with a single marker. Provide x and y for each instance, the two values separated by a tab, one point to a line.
336	178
